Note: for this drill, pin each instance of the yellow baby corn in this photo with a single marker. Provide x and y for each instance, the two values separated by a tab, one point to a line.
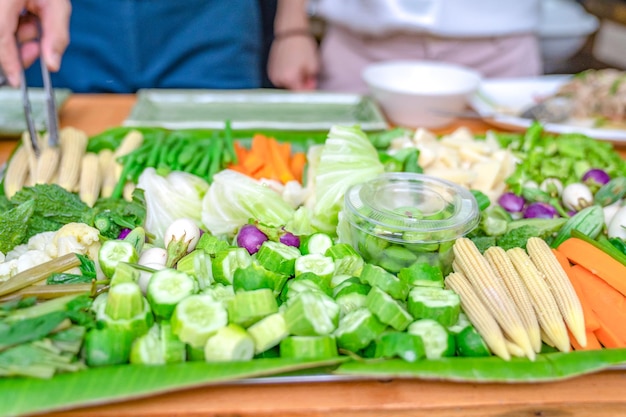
561	287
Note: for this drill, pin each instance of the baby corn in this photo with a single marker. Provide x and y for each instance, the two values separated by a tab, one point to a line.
17	172
500	262
492	292
73	144
47	165
478	314
561	287
90	179
550	318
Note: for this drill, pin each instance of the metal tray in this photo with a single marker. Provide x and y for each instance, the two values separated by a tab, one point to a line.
253	109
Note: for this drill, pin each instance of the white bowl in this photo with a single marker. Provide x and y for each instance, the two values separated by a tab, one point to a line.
420	93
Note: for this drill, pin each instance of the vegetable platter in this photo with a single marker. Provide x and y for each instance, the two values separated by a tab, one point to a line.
118	284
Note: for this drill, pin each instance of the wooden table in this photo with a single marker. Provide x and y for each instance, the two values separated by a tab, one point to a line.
600	394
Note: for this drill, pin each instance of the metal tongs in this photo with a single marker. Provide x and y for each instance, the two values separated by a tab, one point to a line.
51	109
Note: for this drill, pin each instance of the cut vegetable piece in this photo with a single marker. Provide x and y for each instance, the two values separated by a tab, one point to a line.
492	292
422	275
386	281
320	282
564	294
352	296
166	288
124	301
387	310
196	318
575	276
438	342
347	259
230	343
158	346
107	346
592	342
226	262
278	257
460	325
595	260
478	314
252	277
113	251
320	265
197	264
357	329
317	243
434	303
308	347
470	343
311	314
248	307
402	345
501	263
268	332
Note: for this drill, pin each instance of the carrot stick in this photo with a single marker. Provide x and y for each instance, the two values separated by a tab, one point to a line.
592	341
575	275
595	260
608	338
253	163
562	259
240	151
297	164
608	304
285	150
280	166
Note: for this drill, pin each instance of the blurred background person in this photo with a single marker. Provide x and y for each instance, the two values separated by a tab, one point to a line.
498	38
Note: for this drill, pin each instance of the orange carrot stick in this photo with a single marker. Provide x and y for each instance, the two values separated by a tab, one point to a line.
297	164
280	165
575	275
608	338
595	260
592	341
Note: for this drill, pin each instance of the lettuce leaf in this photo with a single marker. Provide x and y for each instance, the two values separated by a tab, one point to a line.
347	158
234	199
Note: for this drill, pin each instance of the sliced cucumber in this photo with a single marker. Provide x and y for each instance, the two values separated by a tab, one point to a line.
422	274
400	345
311	314
347	259
386	281
252	277
278	257
462	322
387	310
320	265
125	272
198	265
321	282
114	251
226	262
438	342
196	318
470	343
166	288
248	307
434	303
158	346
308	347
230	343
124	301
317	243
268	332
357	329
220	293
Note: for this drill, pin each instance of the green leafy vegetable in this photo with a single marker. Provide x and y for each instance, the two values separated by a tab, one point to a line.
14	225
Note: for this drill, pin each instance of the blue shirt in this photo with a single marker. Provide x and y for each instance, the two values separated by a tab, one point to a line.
120	46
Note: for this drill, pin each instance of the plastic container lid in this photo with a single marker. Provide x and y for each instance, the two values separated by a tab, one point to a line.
412	208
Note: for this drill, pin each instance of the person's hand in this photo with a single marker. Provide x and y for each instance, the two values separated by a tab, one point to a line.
293	63
54	16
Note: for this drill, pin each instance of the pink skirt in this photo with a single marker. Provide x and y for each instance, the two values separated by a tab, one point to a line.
344	55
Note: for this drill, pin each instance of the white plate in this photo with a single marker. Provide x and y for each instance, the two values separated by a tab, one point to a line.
498	101
253	109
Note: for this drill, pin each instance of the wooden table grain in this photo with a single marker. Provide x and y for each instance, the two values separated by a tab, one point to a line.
598	394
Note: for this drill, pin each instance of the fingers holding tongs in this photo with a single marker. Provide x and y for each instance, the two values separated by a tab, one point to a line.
45	153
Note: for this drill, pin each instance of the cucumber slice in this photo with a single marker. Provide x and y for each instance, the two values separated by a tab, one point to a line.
119	305
125	272
336	280
311	313
352	297
400	345
422	274
158	346
268	332
248	307
114	251
357	329
124	301
321	282
386	281
278	257
226	262
470	343
197	264
308	347
347	259
230	343
395	257
438	304
317	243
220	293
196	318
107	346
387	310
462	322
252	277
438	342
320	265
166	288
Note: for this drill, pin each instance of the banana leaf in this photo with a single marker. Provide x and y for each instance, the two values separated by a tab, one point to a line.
546	368
22	396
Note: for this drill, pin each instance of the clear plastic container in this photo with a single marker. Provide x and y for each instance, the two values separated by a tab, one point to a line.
397	219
